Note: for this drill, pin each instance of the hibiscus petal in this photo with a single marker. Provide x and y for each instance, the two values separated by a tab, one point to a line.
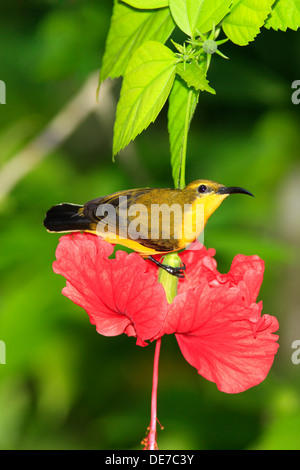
230	345
200	265
247	269
191	310
234	359
119	295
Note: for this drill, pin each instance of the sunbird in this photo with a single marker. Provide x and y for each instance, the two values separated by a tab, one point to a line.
148	221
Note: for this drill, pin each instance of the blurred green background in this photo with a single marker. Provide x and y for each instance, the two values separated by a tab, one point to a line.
64	386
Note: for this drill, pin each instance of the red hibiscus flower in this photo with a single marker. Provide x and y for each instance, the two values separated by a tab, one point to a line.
215	317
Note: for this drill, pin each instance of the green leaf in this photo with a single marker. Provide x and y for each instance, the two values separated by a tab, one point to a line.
147	83
245	19
182	105
128	30
186	14
147	4
212	12
195	76
285	14
192	16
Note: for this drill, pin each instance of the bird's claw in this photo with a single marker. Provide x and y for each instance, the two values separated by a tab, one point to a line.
177	271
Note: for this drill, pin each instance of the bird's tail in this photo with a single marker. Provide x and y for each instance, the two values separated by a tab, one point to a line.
66	218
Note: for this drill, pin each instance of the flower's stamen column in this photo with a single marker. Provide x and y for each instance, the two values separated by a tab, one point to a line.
170	283
152	433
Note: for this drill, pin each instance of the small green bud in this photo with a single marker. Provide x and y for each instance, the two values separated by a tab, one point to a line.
210	46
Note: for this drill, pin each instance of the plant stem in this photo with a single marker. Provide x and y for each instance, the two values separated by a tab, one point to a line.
184	141
152	445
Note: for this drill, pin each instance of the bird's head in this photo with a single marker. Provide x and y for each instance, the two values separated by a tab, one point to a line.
210	194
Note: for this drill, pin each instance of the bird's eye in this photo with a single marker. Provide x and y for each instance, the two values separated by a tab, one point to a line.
202	188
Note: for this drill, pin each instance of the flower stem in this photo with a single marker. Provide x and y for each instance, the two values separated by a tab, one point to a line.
152	445
181	183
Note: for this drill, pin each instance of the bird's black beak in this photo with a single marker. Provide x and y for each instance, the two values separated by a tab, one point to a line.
234	190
